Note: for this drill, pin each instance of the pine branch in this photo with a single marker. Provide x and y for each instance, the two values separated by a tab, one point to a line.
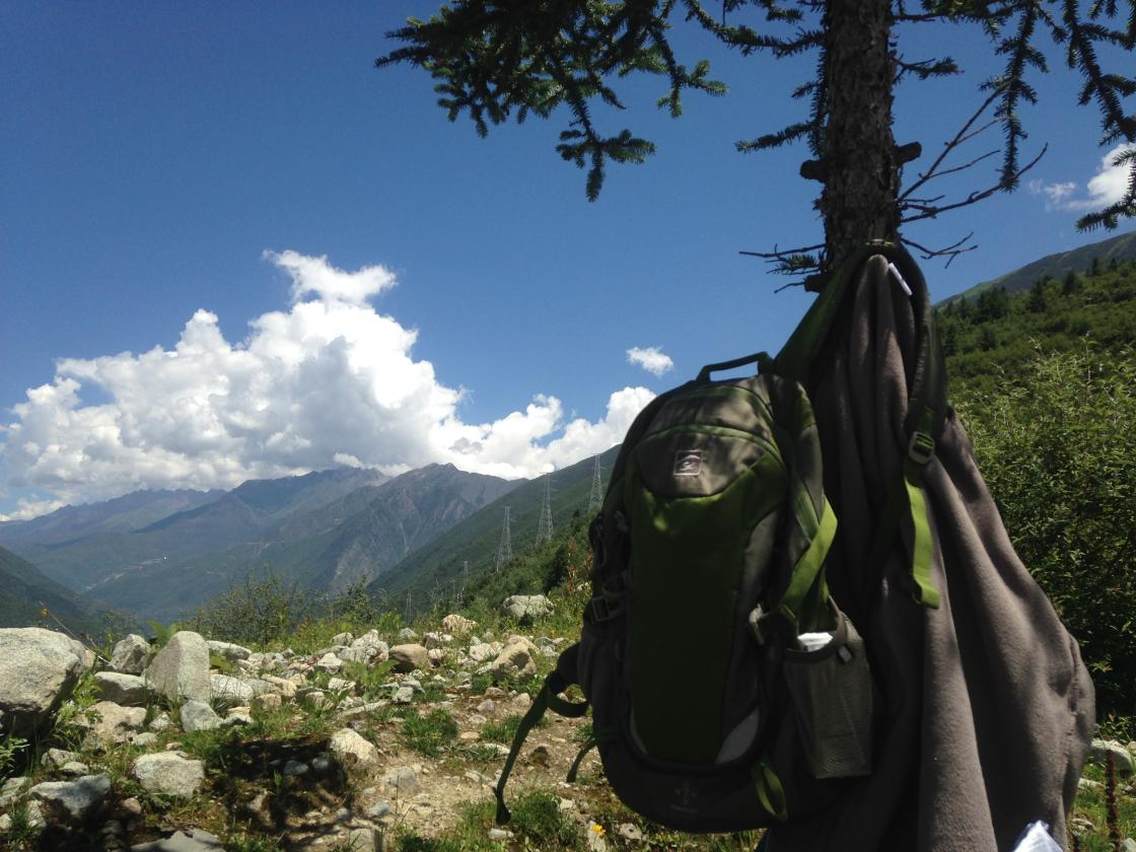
925	211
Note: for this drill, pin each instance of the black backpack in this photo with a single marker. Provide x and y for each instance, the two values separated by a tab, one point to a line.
728	689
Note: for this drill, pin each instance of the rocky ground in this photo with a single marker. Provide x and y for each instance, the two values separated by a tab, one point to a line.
371	742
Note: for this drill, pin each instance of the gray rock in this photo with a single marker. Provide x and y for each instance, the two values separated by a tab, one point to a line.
404	780
342	639
54	758
295	768
160	722
12	789
1122	758
74	769
1128	845
329	662
457	624
351	750
198	840
363	840
114	723
72	801
180	670
126	689
371	645
403	695
525	608
130	655
409	657
407	635
38	670
144	740
499	834
167	773
198	716
515	660
481	652
230	691
228	650
379	809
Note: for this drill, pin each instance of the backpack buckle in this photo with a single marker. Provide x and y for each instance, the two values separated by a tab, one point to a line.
921	448
601	608
757	618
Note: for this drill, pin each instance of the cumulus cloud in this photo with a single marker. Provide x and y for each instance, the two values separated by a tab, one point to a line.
1103	189
330	381
650	358
27	509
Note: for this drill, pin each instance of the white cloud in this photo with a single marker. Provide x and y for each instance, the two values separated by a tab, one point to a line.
650	358
27	509
329	381
1103	189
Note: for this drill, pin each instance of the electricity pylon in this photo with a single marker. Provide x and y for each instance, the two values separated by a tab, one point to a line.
408	608
505	546
544	526
595	499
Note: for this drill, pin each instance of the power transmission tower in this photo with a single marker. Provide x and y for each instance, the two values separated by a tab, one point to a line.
544	526
408	608
595	499
505	546
464	582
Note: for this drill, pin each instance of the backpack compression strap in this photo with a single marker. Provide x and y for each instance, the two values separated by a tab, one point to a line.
557	681
926	408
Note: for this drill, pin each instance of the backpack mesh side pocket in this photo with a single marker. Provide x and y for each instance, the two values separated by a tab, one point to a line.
831	691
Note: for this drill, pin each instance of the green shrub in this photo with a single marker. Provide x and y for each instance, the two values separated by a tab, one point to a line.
431	733
1056	447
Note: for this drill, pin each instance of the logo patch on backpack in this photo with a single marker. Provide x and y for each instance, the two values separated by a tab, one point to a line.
688	463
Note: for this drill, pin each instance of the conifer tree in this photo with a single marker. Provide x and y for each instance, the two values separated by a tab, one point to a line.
499	59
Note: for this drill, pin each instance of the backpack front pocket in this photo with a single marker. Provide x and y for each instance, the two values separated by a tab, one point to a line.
831	690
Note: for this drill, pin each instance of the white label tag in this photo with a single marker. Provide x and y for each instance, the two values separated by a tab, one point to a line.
688	463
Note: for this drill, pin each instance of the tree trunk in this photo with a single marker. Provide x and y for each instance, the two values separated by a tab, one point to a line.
861	172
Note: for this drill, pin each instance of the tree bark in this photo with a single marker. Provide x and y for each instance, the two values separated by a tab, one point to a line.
861	172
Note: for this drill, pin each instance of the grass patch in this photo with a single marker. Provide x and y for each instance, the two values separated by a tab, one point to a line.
369	679
429	734
537	817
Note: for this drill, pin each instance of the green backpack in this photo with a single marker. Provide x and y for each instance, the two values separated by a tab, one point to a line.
728	689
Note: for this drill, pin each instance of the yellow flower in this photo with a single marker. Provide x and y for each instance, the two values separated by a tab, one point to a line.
598	829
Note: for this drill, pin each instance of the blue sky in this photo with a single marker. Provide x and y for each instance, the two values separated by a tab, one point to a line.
155	152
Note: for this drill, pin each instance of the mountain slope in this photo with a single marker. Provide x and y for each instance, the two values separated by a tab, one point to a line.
355	537
239	517
27	592
439	564
1058	265
122	514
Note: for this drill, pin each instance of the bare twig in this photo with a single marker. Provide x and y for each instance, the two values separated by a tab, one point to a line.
931	211
949	252
959	138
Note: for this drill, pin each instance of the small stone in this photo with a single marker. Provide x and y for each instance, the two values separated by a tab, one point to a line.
404	780
295	768
1128	845
198	840
499	834
352	750
407	635
229	691
363	840
515	660
54	758
342	639
457	624
114	723
322	764
630	831
403	695
486	707
329	663
198	716
73	801
495	692
125	689
378	810
228	650
409	657
130	655
11	789
1089	784
130	807
168	774
160	722
268	701
74	769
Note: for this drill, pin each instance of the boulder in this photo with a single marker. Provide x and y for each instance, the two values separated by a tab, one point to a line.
329	662
126	689
351	750
458	625
114	723
198	716
407	634
409	657
130	655
367	648
482	651
38	670
525	608
72	801
228	650
167	773
180	670
54	758
12	789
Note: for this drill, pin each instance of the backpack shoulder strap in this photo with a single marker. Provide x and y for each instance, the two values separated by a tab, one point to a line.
557	681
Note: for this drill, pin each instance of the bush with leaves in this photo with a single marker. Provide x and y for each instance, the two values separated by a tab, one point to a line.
1056	448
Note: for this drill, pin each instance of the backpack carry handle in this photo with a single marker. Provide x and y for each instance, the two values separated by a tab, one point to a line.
759	358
